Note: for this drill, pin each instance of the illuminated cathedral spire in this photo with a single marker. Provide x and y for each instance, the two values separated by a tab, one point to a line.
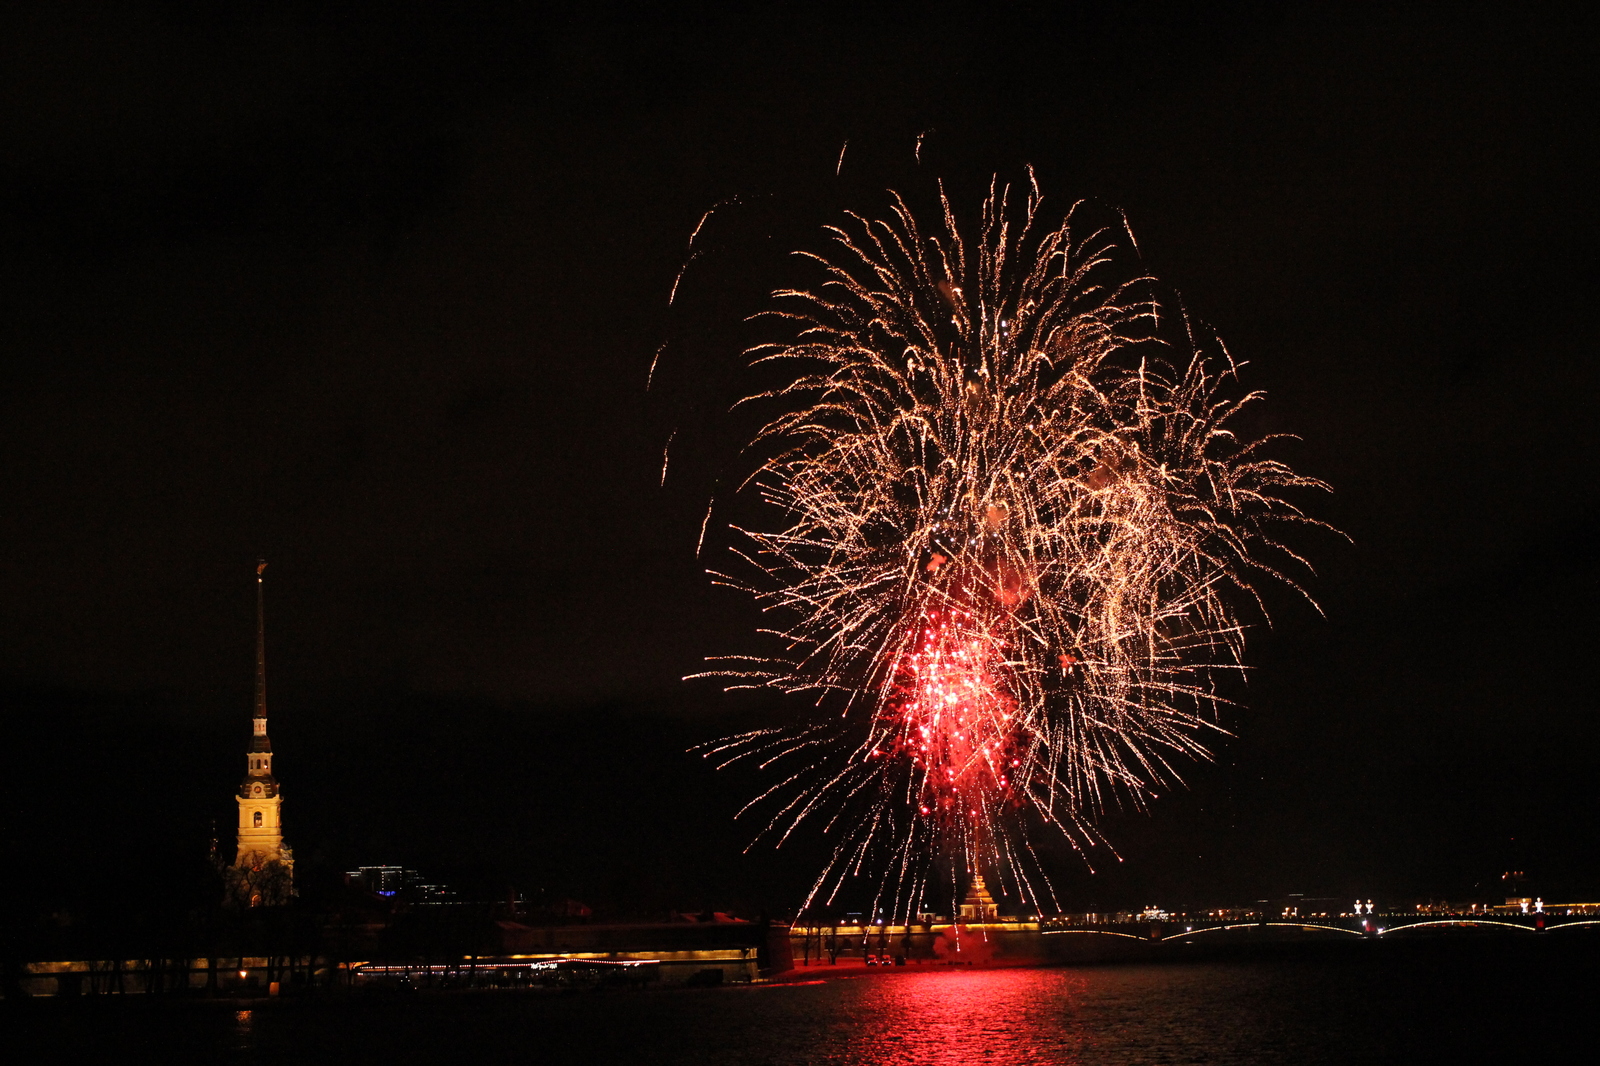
261	642
979	904
263	871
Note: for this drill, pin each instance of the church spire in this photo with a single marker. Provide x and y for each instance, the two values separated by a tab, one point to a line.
264	869
261	640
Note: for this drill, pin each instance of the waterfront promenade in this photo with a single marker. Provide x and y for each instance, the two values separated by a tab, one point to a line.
744	953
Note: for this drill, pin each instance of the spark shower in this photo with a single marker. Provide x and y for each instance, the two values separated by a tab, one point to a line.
1013	526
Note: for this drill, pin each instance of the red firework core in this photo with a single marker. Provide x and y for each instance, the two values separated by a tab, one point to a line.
951	715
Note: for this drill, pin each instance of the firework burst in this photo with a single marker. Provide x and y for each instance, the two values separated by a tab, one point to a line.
1014	531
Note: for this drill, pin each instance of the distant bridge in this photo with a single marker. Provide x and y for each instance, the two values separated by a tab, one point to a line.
1365	925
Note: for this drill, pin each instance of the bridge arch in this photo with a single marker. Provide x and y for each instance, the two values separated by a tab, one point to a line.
1101	932
1306	926
1484	922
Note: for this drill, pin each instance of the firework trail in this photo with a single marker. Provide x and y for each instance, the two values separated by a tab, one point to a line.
1015	531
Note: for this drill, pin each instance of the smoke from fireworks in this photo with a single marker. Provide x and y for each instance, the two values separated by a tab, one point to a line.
1016	526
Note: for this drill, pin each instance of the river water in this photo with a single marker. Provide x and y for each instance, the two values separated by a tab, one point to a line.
1379	1003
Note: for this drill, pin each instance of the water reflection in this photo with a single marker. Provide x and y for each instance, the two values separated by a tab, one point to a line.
1400	1004
942	1018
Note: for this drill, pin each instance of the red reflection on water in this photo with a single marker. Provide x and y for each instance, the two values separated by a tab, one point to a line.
950	1017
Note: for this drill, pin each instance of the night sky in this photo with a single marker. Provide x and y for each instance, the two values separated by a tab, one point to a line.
374	295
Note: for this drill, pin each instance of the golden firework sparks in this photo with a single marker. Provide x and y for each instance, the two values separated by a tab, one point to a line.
1016	527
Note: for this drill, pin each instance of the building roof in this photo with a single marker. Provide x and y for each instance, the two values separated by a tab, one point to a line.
268	783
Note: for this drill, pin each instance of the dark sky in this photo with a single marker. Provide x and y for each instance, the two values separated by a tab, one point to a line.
374	294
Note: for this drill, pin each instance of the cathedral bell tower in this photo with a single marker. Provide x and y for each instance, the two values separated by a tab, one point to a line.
264	869
979	905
